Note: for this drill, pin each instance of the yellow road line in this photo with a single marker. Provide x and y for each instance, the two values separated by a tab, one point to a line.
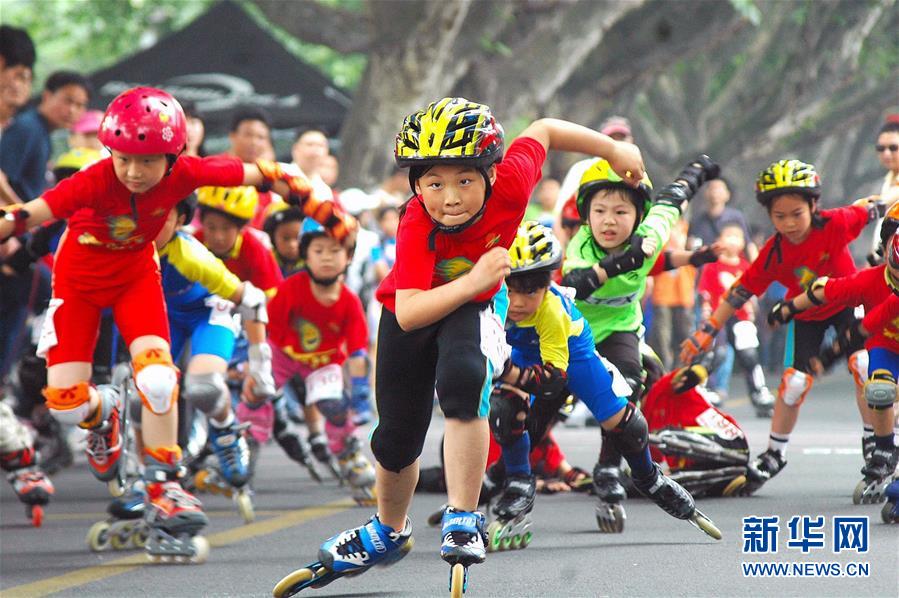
115	567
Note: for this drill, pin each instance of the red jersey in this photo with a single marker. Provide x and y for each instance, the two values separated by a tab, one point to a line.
825	252
869	288
719	276
109	226
418	266
312	333
883	320
251	260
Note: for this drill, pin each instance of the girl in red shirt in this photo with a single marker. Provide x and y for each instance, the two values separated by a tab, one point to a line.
107	258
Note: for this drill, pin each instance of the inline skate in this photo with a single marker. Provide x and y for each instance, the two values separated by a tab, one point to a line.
358	472
464	540
511	529
878	472
125	528
610	514
674	500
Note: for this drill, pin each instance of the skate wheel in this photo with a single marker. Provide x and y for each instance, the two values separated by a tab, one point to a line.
140	537
200	480
506	543
201	550
706	525
526	538
610	518
734	486
457	580
516	542
494	536
98	536
37	515
293	583
322	578
245	506
154	558
858	495
115	487
120	541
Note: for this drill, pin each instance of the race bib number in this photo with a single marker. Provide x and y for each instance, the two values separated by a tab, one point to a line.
324	383
220	313
493	340
48	337
711	419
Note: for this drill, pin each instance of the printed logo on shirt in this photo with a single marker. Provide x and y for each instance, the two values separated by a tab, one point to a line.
805	276
727	279
453	268
120	227
310	335
491	240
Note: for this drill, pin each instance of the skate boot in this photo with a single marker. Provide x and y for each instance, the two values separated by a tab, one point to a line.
358	472
762	402
867	447
126	527
104	441
318	444
464	540
878	472
674	500
230	447
348	553
610	515
512	528
173	515
763	468
288	438
890	511
52	442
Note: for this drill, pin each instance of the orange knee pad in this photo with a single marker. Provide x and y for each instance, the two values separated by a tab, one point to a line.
794	387
156	379
70	405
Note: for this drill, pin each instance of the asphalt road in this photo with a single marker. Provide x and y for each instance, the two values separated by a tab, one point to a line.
655	556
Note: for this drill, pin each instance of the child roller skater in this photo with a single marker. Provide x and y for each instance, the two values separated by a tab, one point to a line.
607	262
115	208
552	348
19	460
316	325
442	321
809	244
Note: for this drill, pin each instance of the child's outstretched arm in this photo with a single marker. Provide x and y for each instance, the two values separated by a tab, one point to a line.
561	135
784	311
15	220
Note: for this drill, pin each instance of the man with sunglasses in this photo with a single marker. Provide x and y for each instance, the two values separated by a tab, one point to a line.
887	148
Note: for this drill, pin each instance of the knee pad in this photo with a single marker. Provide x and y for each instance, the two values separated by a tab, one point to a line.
746	336
858	367
880	390
156	379
333	410
506	410
69	405
631	435
794	386
207	392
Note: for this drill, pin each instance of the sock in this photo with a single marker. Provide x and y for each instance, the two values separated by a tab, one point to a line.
868	431
641	463
885	442
778	442
515	456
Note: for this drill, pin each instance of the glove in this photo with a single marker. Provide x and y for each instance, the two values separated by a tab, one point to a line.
851	339
583	280
252	304
698	171
700	342
19	219
876	207
702	256
260	369
328	213
673	195
781	313
544	381
631	259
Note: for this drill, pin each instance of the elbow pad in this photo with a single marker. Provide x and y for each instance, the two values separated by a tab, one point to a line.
737	296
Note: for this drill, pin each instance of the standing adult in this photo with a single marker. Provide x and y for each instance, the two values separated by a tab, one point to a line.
706	225
307	153
250	140
17	58
25	144
887	148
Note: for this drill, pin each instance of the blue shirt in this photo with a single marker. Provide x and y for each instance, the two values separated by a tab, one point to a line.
24	153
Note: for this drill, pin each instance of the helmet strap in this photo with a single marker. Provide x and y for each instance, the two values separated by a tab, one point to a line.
458	228
323	282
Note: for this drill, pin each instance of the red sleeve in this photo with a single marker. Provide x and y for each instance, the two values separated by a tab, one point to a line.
356	333
851	290
79	190
521	168
414	266
279	310
266	274
877	319
212	171
706	286
757	278
848	220
659	266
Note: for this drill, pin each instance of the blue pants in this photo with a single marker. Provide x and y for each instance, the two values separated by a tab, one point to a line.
205	337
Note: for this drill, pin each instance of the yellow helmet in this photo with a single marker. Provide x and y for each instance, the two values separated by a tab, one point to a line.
534	249
77	158
787	176
599	175
451	130
238	202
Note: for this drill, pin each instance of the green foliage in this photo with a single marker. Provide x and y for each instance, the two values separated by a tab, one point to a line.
724	74
86	35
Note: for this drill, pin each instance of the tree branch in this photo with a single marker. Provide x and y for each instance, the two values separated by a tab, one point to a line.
342	30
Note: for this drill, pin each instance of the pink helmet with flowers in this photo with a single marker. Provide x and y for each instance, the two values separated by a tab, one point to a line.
144	120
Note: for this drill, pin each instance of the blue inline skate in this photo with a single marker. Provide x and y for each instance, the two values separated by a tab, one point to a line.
890	511
464	544
232	475
349	553
125	528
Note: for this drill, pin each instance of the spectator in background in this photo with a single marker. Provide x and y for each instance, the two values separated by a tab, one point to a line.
394	190
545	194
329	171
250	139
307	153
25	144
708	224
17	58
84	133
196	130
673	300
887	148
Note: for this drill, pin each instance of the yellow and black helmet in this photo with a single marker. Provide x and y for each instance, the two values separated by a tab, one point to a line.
237	202
534	249
450	131
278	213
787	176
599	175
